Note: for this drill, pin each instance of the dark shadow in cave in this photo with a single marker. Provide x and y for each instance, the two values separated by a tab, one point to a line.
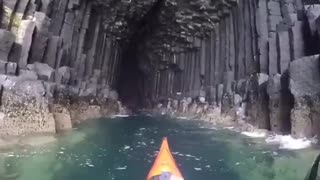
131	79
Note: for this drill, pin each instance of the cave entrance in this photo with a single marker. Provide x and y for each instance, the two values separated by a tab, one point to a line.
130	85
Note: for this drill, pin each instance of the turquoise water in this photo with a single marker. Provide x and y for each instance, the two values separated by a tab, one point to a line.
124	148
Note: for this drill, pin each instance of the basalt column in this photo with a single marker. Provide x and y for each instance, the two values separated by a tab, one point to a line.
244	62
60	57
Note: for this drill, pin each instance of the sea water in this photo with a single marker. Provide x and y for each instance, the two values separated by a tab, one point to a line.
123	148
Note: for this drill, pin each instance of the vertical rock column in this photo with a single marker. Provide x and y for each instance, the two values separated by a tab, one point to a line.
240	62
250	66
81	18
262	30
24	41
186	73
80	57
274	19
91	45
40	38
211	74
7	40
217	64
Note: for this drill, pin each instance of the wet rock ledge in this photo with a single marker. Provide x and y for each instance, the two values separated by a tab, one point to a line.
57	66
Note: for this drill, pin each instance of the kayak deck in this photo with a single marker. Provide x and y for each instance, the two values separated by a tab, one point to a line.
164	164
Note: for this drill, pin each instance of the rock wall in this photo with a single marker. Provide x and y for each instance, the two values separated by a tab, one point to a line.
257	65
57	65
250	61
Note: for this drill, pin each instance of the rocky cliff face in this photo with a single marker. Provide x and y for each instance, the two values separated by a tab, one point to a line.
258	64
61	61
57	65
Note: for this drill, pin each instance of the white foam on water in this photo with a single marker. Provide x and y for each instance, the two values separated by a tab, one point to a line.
89	164
209	127
265	152
188	155
197	169
120	115
121	168
142	143
126	147
288	142
182	117
228	127
255	134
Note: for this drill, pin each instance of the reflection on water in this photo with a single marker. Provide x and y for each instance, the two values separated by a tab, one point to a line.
124	148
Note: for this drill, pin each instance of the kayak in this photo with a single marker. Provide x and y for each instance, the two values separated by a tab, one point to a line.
164	166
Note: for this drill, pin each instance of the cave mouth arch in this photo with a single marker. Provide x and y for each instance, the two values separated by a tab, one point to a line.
132	86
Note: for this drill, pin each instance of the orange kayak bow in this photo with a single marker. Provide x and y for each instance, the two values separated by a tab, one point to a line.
165	164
